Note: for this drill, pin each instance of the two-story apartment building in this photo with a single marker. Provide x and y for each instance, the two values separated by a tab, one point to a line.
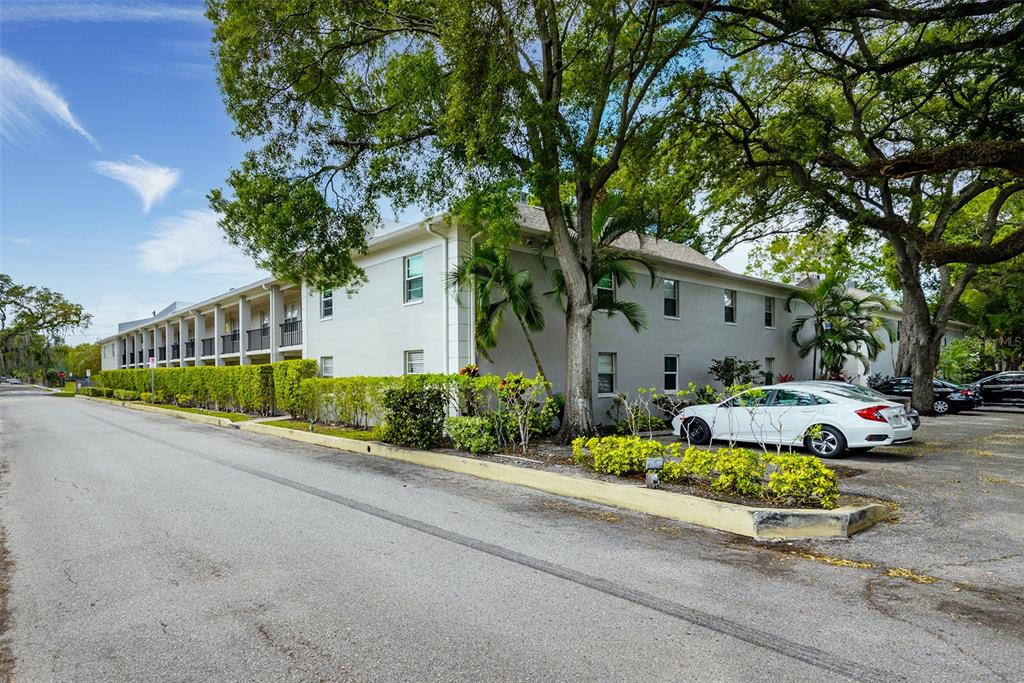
405	320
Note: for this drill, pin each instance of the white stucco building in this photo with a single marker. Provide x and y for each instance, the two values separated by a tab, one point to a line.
404	320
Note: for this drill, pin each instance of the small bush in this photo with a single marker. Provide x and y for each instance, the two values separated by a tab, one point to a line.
471	434
126	395
287	378
801	480
146	397
414	414
70	387
617	454
185	400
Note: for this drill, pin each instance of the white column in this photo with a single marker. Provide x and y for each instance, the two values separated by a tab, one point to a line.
158	342
199	333
243	330
182	340
276	319
169	342
146	346
218	334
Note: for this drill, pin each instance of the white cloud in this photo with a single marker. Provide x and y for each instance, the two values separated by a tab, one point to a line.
150	181
192	241
26	95
20	240
72	11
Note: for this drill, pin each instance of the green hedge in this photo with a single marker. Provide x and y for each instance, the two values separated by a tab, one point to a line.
287	379
101	392
244	388
352	401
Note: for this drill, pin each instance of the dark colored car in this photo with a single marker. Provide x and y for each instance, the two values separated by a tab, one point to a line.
1006	388
948	397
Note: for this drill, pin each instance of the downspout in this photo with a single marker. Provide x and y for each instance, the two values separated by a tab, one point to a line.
444	298
472	311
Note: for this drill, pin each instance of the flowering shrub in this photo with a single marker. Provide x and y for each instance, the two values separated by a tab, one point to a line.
784	378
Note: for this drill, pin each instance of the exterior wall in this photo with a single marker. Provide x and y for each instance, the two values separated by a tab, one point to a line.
370	331
699	335
885	364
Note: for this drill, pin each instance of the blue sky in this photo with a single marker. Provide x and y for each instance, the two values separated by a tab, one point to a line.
112	131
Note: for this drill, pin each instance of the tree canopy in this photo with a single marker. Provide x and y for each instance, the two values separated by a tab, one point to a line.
32	322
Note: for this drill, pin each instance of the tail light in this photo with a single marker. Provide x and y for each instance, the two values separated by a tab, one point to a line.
965	392
874	413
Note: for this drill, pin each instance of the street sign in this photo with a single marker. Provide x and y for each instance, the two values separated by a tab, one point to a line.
152	361
88	372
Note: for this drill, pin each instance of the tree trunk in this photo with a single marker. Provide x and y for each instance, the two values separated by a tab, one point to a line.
922	344
575	262
904	351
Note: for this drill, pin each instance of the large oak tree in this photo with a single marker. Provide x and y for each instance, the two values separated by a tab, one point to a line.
351	102
904	120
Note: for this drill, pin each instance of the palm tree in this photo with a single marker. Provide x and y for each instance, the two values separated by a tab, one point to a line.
497	288
844	323
612	219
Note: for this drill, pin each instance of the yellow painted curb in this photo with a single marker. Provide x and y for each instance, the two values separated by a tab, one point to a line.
180	414
753	522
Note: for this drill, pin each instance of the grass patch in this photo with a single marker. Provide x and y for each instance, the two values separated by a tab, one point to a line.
234	417
357	434
63	394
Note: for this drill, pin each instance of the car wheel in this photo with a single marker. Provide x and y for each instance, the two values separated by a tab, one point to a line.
697	431
940	406
830	443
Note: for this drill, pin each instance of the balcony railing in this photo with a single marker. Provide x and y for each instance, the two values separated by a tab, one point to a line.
175	348
190	349
208	346
259	339
291	333
161	353
229	343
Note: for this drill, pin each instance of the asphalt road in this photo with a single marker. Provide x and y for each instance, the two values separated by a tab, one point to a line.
149	548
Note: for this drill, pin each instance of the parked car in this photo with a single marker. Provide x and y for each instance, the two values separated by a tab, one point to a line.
1005	388
912	415
787	414
947	397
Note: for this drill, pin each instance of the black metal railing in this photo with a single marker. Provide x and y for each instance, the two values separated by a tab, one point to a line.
208	346
190	349
291	333
258	340
229	343
124	359
161	353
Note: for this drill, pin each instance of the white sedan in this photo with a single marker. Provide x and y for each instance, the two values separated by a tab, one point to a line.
827	420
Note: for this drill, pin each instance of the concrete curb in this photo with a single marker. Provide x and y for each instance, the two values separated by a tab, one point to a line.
752	522
180	414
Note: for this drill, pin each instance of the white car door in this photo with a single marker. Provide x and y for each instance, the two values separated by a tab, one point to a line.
789	415
735	419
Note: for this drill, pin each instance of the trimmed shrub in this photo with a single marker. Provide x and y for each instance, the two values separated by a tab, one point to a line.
126	395
616	454
471	434
801	480
185	400
789	479
352	401
146	397
414	413
287	380
247	388
71	387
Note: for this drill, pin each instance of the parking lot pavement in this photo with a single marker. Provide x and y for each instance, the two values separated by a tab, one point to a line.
959	487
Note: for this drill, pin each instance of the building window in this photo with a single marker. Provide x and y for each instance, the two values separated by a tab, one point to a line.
606	373
414	278
606	287
671	294
730	306
769	370
769	311
327	366
414	362
671	373
326	303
